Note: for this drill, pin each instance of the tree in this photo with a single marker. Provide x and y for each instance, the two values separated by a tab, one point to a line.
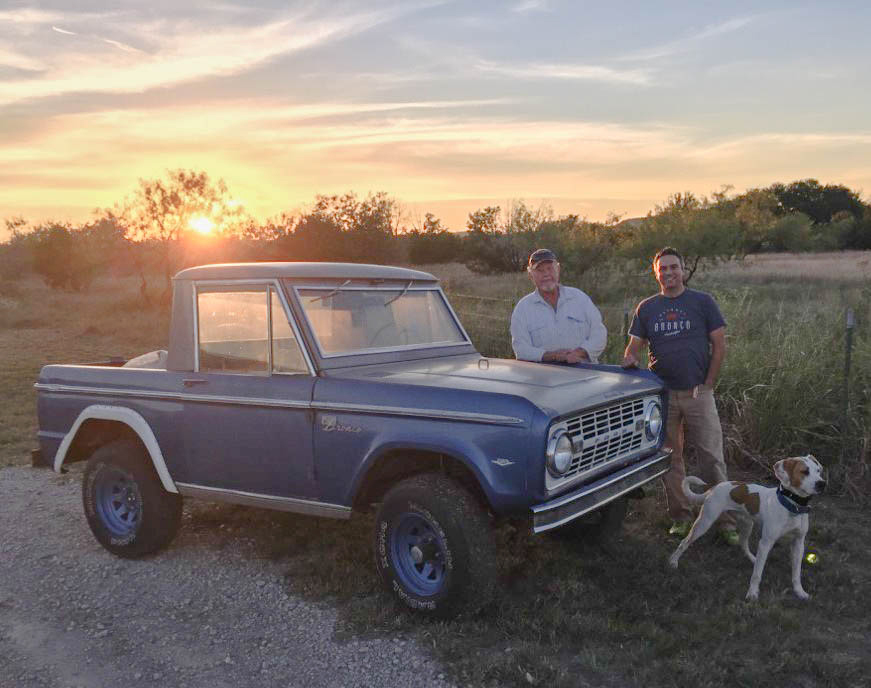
346	228
158	217
820	203
15	254
701	231
70	258
432	243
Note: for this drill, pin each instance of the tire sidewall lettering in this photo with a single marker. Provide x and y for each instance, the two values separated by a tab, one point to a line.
382	539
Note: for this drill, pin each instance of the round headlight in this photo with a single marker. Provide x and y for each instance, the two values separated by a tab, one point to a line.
559	454
653	420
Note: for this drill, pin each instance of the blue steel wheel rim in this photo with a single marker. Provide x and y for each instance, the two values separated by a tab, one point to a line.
418	552
118	501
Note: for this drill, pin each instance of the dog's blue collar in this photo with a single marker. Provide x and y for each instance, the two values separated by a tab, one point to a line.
792	502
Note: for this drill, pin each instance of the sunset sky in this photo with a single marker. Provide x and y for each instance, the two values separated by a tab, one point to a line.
447	106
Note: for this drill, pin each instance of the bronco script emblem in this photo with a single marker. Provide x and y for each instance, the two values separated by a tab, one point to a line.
331	424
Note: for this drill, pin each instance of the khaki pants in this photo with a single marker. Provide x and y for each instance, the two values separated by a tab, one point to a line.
697	421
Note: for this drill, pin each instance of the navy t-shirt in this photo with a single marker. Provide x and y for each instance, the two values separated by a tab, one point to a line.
677	329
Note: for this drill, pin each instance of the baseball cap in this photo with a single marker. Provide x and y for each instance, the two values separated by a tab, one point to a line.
539	255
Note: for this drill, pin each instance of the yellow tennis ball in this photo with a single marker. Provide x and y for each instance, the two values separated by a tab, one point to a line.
811	557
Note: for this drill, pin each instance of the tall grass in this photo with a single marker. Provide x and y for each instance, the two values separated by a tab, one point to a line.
782	388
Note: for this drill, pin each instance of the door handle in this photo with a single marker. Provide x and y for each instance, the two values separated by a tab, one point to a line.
191	381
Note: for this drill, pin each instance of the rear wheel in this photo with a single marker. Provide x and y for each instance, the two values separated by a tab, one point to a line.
127	508
434	546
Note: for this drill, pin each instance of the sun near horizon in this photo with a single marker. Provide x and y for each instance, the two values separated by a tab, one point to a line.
201	224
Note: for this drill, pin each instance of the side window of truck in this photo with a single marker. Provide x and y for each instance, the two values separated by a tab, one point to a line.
233	331
234	328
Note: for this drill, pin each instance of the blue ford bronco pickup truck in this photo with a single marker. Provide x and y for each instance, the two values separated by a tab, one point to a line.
326	389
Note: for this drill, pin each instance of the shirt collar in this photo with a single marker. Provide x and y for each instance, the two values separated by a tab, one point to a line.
564	295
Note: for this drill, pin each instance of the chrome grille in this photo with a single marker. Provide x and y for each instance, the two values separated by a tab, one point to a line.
605	435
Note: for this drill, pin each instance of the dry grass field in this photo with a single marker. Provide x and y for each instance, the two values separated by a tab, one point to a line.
570	613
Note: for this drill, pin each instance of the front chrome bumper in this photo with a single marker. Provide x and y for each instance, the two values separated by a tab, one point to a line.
561	510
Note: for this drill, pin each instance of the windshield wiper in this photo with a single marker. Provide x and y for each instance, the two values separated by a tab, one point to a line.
332	293
400	295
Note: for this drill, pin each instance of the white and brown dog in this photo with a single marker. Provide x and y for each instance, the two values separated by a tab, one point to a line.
782	512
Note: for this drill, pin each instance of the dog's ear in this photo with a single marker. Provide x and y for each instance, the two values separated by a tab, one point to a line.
782	470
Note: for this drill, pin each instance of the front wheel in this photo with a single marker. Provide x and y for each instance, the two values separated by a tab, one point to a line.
434	546
127	508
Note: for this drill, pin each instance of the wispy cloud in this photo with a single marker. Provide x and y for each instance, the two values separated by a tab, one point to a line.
63	31
744	146
29	17
16	60
184	51
121	46
570	72
531	6
691	41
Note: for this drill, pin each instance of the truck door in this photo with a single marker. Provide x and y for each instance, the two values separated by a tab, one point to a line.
247	418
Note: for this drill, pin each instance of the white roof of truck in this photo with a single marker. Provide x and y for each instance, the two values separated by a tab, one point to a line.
267	270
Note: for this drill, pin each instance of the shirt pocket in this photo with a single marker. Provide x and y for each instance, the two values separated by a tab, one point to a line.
579	328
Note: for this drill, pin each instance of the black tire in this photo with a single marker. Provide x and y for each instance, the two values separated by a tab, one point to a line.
601	526
128	510
434	547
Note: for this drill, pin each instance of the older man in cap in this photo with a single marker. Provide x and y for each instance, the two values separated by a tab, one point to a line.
555	323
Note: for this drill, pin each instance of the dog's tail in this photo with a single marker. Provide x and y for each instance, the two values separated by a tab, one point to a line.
694	497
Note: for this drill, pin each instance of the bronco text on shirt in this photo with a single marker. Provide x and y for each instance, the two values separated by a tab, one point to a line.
677	329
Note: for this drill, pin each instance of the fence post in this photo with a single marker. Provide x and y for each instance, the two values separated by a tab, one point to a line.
845	408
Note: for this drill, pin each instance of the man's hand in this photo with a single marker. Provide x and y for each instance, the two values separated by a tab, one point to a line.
578	355
630	360
632	355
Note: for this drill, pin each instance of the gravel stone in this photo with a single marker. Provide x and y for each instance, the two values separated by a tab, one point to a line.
71	614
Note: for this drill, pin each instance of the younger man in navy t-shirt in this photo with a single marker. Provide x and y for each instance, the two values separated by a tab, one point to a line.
687	337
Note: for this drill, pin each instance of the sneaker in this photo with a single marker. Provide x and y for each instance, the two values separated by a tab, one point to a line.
680	528
730	537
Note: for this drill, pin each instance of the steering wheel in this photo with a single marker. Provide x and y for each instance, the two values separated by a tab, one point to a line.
401	333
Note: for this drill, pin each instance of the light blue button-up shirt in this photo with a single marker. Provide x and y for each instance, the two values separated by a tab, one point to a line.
537	328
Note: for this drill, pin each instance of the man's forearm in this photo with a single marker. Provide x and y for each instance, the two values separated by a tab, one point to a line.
717	355
713	370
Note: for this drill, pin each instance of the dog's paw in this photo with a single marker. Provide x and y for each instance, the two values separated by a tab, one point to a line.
672	561
752	596
802	595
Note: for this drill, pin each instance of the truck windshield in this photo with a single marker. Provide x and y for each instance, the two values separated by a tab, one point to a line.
354	319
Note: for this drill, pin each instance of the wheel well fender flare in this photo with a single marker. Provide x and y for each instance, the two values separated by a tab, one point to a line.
132	420
464	456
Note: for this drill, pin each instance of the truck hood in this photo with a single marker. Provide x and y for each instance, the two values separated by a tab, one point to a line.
555	389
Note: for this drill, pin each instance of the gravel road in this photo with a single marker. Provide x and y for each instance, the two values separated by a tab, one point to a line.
73	615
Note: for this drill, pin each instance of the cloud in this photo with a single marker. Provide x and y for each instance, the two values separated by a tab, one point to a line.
11	58
691	41
29	17
531	6
121	46
64	31
184	50
570	72
745	146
